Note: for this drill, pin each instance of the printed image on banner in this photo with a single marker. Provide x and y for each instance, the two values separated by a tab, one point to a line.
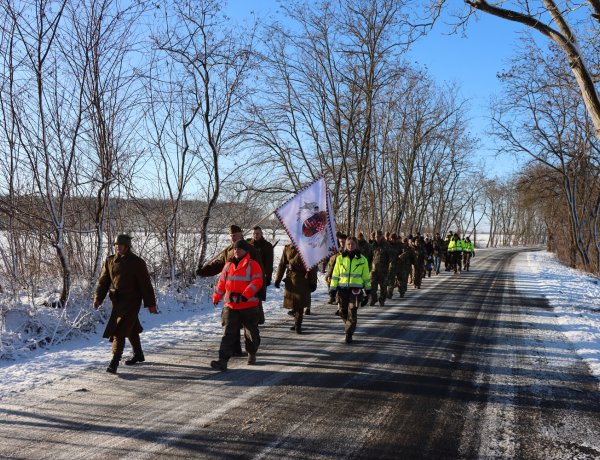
308	221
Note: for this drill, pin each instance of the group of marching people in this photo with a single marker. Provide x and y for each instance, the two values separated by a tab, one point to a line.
362	272
368	271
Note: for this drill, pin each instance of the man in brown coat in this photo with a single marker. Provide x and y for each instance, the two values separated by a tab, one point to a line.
215	266
265	250
126	279
298	283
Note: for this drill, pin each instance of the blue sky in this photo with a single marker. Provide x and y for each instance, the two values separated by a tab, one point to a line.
471	59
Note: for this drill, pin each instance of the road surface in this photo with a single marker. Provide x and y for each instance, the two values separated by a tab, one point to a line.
466	367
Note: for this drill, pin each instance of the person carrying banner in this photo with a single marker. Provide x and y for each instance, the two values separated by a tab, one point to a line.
239	283
351	283
298	282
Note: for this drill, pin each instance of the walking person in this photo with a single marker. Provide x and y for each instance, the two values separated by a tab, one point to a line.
379	268
239	283
265	250
298	282
405	265
341	237
438	252
468	253
419	266
125	278
351	283
215	266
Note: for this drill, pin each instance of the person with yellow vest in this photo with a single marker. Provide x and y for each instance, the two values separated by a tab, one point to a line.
239	285
351	283
468	253
455	248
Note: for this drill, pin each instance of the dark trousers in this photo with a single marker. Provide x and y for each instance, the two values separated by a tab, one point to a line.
118	345
232	321
298	314
349	309
378	282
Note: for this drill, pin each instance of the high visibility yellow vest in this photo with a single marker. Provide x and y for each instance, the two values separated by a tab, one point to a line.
351	273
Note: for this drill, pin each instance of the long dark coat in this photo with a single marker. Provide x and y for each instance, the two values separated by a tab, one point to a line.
127	278
298	282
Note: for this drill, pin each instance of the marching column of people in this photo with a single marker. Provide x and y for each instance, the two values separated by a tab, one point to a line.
360	273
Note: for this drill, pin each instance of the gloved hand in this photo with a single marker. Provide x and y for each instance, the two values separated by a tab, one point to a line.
243	299
277	284
215	298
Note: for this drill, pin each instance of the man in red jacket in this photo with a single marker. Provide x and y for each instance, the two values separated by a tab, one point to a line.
239	284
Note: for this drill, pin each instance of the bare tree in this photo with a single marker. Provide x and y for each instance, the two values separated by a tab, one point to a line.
558	23
216	63
542	117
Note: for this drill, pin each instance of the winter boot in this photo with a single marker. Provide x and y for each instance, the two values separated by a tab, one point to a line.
348	337
219	365
298	327
307	311
291	312
136	358
113	365
251	358
381	303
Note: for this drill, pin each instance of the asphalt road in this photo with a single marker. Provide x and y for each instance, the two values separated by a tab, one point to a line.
466	367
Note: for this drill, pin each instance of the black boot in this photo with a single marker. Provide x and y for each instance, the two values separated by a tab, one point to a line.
113	365
136	358
307	311
348	337
298	328
219	365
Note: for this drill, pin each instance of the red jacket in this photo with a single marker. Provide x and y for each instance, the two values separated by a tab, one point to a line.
243	280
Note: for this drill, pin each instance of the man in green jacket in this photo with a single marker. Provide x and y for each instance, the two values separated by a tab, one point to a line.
125	278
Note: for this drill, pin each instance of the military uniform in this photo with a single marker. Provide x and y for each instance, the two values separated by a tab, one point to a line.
379	271
126	279
395	249
419	266
406	261
298	283
264	251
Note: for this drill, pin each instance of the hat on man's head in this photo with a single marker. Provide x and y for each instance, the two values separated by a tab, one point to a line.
234	229
241	244
123	239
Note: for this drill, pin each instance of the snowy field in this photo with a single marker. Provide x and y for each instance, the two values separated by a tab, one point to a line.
575	298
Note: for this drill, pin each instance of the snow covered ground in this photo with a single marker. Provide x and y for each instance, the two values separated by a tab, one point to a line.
575	298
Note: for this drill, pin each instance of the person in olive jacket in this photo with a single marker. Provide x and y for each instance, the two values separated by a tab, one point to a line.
298	282
125	278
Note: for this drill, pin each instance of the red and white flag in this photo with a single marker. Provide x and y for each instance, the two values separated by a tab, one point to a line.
308	220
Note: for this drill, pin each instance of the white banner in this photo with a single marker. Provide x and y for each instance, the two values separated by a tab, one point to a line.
308	220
